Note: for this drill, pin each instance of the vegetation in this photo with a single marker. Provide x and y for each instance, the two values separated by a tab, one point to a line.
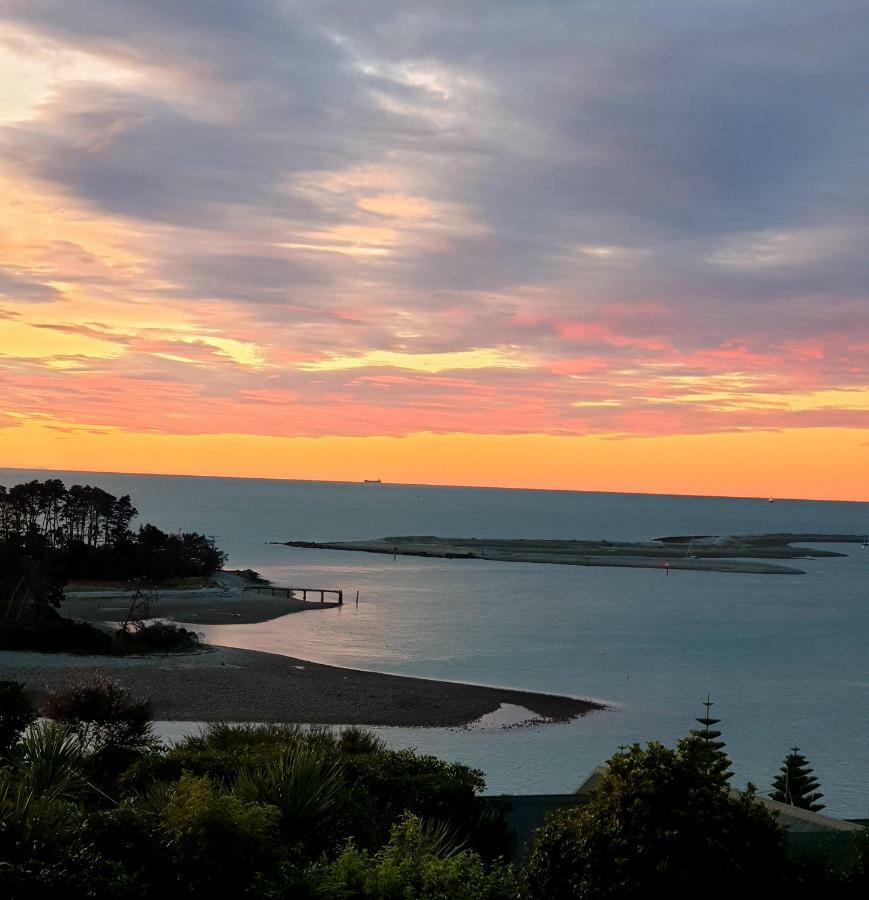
658	823
796	785
92	806
50	534
16	714
705	748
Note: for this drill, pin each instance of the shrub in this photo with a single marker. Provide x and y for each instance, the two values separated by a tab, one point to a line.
53	634
218	842
304	785
156	637
16	714
417	862
105	718
359	740
49	762
657	824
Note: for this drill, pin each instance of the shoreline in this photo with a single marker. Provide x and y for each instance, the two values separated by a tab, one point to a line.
226	684
217	683
225	603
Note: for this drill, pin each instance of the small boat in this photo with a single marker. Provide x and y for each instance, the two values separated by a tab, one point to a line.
771	500
373	481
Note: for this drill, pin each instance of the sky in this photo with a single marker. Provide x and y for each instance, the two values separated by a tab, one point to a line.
581	245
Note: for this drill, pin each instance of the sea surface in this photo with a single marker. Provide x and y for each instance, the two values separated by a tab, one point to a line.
784	658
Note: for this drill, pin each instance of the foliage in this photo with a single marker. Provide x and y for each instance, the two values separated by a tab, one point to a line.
107	721
796	785
32	578
359	740
417	863
657	824
16	714
304	785
707	751
218	841
155	637
50	533
252	576
54	634
49	762
379	785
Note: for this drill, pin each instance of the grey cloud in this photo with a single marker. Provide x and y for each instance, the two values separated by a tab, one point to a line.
671	129
23	288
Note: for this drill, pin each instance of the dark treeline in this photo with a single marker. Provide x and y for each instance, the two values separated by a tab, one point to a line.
50	534
62	516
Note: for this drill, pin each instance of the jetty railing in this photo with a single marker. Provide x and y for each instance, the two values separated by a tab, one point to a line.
289	592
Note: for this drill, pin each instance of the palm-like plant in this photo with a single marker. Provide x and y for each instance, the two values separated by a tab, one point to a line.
49	762
28	819
305	786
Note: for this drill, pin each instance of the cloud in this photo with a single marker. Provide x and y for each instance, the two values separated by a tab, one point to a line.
322	218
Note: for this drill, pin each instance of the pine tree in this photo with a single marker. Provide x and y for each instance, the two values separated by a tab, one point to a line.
796	785
704	746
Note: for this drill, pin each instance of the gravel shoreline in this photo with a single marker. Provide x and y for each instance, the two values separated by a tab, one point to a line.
226	684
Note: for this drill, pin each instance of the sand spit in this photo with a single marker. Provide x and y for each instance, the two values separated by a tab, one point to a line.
706	553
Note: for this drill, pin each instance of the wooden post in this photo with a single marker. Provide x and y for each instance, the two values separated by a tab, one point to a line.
322	596
357	598
340	598
305	594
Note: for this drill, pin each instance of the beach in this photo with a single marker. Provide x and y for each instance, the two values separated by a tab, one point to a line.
225	601
223	684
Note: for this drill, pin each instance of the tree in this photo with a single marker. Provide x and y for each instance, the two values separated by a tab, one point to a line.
16	714
706	748
657	824
796	785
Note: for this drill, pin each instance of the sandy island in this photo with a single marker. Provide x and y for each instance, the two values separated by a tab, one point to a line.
226	684
744	554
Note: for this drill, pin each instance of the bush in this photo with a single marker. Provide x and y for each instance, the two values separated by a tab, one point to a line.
657	824
304	785
218	842
16	714
419	862
49	763
156	637
108	722
54	634
379	785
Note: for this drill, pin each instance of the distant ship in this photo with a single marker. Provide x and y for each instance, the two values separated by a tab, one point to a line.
373	481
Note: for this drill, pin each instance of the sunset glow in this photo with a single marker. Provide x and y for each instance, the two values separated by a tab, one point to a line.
502	247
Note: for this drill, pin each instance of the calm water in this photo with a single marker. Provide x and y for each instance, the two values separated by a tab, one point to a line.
785	657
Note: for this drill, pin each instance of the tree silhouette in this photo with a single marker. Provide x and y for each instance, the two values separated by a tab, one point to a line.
796	785
704	746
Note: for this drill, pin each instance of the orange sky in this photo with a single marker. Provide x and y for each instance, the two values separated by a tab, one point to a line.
808	463
401	258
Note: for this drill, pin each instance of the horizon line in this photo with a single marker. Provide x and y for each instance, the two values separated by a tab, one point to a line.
478	487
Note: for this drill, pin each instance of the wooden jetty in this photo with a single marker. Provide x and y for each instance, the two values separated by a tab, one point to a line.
289	592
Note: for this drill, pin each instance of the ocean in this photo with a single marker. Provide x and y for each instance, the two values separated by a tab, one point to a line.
784	658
